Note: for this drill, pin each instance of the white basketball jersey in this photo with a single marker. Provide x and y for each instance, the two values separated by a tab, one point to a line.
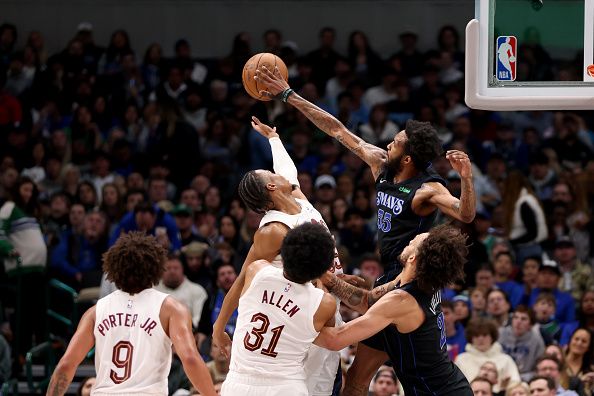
308	214
132	351
275	326
321	364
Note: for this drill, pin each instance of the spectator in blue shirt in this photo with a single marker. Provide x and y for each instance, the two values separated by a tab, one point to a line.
548	279
77	258
151	220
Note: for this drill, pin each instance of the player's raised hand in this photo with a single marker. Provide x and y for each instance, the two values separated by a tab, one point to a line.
223	342
263	129
460	162
272	79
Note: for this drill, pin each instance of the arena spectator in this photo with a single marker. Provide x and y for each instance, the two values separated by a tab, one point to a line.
576	276
548	278
549	367
521	343
175	283
482	346
454	330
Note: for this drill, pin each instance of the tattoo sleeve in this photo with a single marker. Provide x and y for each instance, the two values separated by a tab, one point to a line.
331	126
466	207
356	298
58	384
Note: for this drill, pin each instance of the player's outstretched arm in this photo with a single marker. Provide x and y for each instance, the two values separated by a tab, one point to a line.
386	311
355	297
80	344
180	333
463	209
266	246
373	156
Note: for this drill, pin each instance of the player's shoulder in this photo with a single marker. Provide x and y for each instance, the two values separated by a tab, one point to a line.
171	306
271	231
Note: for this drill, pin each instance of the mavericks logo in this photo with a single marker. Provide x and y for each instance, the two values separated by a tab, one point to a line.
395	204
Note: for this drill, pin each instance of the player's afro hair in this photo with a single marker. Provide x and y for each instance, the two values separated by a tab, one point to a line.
136	262
307	252
441	258
422	144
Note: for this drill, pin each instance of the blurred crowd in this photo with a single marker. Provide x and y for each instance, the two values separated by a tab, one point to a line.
98	140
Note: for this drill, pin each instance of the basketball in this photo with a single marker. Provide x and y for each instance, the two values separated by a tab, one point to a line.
269	60
591	70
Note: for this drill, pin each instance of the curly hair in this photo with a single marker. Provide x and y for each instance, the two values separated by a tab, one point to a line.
422	144
307	252
253	192
441	258
136	262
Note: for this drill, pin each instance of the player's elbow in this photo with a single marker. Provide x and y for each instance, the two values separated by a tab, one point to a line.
190	360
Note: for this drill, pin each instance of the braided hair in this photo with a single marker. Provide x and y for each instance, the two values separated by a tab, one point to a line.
253	193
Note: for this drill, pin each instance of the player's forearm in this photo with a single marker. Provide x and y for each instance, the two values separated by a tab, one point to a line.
281	161
230	304
60	381
466	208
199	375
330	125
353	296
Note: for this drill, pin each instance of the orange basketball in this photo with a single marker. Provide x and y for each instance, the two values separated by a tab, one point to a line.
591	70
254	87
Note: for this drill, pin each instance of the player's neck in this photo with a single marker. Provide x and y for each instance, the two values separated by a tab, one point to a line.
287	204
408	274
405	174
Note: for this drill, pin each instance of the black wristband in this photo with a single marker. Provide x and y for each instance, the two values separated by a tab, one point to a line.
286	93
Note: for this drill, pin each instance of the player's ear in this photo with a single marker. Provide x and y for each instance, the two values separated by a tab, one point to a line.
270	186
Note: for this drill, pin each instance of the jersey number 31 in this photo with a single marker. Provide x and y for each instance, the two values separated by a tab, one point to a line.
258	333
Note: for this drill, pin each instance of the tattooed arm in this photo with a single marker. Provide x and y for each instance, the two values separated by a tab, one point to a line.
373	156
354	297
81	343
434	194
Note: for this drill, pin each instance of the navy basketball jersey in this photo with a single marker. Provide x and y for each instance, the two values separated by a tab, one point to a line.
397	224
420	358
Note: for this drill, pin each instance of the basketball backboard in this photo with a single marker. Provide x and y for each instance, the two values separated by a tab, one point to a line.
530	55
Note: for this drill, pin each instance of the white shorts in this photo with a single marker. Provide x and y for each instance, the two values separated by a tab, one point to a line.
321	366
251	385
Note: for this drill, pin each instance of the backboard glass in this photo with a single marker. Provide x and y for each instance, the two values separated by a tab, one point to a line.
530	55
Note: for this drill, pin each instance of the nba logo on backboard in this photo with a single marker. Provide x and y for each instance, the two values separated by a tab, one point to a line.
506	58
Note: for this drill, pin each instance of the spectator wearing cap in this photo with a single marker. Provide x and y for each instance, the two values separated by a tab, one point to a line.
194	257
462	308
521	343
576	276
92	52
455	340
325	192
184	220
548	279
151	220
